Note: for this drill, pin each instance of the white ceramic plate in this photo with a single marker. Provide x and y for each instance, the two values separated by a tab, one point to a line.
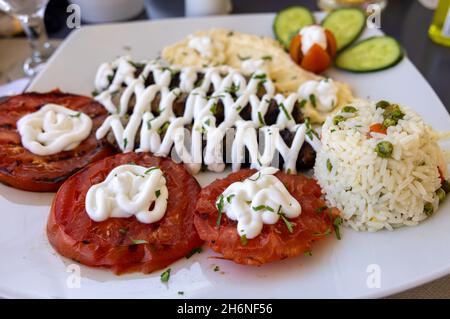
404	258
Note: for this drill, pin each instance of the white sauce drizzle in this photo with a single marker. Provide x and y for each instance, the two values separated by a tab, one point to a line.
258	200
325	92
198	110
129	190
313	34
53	129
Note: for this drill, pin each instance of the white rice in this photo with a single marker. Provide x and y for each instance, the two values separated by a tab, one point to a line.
373	192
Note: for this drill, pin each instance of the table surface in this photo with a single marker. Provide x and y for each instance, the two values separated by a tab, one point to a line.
405	20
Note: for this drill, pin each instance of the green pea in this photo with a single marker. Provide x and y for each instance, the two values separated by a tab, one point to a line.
382	104
349	109
397	114
338	119
428	209
389	122
441	194
384	149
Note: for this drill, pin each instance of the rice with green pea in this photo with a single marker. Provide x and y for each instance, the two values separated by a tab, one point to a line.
380	180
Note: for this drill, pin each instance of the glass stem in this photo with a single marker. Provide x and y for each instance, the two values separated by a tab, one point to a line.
34	28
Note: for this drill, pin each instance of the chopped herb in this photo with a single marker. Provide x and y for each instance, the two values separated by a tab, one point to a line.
151	169
261	119
243	58
194	251
125	143
349	109
325	233
286	113
219	205
382	104
336	223
261	76
213	108
441	194
384	149
308	253
230	197
428	209
139	241
256	178
216	268
266	58
312	99
321	209
181	293
95	93
163	128
75	115
263	207
289	171
230	34
158	193
137	65
233	88
110	78
302	103
244	240
309	130
338	119
329	165
289	225
165	276
238	109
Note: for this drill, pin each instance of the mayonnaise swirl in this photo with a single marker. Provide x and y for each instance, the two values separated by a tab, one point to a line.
313	34
53	129
232	88
129	190
258	200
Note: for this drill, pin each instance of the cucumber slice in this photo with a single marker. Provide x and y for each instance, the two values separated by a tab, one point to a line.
288	21
372	54
347	24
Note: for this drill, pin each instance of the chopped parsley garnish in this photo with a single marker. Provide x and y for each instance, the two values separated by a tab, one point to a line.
329	165
139	241
336	223
76	115
163	128
230	197
338	119
194	251
110	78
312	99
310	132
243	58
158	193
261	119
325	233
244	240
219	205
233	88
149	124
266	58
213	108
263	207
216	268
308	253
151	169
286	113
261	76
165	276
256	178
125	143
289	225
95	93
321	209
302	103
137	65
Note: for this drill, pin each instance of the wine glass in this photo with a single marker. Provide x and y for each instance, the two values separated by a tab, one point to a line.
30	13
